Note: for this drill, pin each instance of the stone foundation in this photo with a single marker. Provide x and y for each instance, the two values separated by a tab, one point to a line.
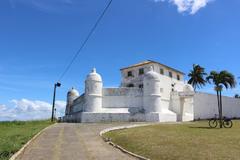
91	117
161	117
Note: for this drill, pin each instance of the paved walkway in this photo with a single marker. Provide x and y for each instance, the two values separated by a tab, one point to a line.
73	141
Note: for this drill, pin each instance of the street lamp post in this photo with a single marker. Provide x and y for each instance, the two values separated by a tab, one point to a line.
58	84
55	113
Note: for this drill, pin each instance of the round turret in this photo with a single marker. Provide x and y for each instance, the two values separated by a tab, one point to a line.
93	83
71	96
73	93
151	75
151	90
93	92
94	76
188	88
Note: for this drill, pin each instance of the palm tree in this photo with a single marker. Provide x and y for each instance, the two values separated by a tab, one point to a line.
197	76
220	80
236	96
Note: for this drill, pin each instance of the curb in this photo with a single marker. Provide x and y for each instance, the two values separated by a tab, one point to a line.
17	154
119	147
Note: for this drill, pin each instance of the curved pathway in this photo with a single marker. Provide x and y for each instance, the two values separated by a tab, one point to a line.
73	141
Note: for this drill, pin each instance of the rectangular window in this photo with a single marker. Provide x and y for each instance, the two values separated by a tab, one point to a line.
170	74
130	85
178	77
141	71
161	71
129	74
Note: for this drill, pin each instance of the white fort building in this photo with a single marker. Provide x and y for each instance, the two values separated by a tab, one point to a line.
149	91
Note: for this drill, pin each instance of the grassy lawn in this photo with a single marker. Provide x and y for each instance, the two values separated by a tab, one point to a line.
187	141
13	135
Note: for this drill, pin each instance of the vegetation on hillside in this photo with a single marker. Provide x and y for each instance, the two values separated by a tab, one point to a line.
13	135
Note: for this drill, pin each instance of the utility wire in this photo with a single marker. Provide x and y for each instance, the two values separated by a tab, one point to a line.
86	40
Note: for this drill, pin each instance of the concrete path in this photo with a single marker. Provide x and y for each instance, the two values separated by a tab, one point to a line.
73	141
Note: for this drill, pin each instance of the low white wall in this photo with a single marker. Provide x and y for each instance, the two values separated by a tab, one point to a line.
205	106
122	97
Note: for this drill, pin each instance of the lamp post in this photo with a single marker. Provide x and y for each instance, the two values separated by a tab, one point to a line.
58	84
55	113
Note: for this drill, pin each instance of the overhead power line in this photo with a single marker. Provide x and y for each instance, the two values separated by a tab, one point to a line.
86	40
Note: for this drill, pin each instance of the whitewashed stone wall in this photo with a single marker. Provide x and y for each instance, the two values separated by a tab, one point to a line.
166	86
122	97
78	104
205	106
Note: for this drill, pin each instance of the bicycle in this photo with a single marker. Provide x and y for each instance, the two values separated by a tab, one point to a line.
227	122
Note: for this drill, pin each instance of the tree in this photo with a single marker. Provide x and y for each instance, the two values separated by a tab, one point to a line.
197	76
236	96
220	80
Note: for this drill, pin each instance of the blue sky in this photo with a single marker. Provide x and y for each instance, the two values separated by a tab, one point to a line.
38	38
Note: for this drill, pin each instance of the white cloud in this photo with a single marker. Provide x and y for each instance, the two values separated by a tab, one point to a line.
25	109
191	6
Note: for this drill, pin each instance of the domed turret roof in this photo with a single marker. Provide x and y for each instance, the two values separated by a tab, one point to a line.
151	75
188	88
73	92
94	76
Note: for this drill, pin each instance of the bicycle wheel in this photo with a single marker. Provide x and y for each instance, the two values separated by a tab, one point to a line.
227	124
213	123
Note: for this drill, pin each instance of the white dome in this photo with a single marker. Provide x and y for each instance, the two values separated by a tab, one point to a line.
188	88
151	75
73	92
94	76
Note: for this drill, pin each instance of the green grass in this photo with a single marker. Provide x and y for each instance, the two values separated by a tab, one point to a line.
13	135
186	141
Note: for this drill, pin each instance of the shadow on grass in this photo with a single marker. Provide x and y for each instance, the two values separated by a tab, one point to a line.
200	127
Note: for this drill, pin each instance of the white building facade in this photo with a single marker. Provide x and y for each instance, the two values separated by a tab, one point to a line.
149	91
